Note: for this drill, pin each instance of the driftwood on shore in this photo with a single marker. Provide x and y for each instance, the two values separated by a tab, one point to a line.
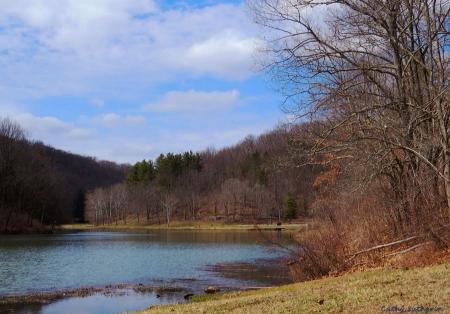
387	245
381	246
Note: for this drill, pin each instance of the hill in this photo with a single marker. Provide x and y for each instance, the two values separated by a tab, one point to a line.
43	186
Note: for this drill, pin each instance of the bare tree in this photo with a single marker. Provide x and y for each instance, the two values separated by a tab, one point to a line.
169	201
224	200
373	78
244	195
189	192
136	200
263	203
231	191
149	196
119	196
96	206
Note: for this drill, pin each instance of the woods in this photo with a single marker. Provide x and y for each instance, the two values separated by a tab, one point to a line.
241	183
371	76
233	184
30	189
41	186
369	81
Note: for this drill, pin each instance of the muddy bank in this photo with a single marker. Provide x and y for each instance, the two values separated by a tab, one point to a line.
115	298
109	290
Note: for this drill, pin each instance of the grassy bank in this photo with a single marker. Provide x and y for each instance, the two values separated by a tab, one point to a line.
372	291
198	224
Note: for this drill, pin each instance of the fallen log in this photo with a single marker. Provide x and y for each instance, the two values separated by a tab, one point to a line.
381	246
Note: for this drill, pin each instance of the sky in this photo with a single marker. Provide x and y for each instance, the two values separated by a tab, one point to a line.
126	80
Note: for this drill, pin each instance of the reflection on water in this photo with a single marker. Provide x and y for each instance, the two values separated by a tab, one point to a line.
192	259
99	304
263	272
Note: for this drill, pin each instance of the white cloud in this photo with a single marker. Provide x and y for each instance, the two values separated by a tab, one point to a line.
43	125
83	46
135	120
84	141
224	54
97	102
49	128
45	14
75	73
8	110
113	120
231	136
195	101
135	148
132	144
108	120
81	134
214	40
200	138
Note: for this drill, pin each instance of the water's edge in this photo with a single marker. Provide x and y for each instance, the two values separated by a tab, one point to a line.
154	268
105	299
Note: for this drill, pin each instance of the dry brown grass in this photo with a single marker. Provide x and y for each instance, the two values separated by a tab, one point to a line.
371	291
198	224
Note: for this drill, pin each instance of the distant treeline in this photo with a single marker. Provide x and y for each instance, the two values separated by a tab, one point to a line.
244	182
41	184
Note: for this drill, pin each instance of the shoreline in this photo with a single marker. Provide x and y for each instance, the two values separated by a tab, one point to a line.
166	294
421	289
45	297
175	225
181	225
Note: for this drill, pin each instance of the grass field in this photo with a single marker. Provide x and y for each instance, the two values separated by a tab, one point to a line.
419	290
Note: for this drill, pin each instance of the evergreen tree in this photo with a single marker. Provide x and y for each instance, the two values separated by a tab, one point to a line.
289	207
143	172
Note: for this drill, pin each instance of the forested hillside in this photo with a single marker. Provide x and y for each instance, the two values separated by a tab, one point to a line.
242	183
83	174
42	186
372	78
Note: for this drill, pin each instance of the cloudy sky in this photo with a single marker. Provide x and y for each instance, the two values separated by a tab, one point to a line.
125	80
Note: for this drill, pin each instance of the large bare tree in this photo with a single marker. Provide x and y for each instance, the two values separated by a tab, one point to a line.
373	76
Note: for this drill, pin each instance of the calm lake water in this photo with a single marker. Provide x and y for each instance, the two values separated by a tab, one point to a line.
190	259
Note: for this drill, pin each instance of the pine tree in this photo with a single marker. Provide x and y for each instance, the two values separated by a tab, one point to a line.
289	207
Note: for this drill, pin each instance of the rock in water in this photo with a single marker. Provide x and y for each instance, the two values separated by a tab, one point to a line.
188	295
212	289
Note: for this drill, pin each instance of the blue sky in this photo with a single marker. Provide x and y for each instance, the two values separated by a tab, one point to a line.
126	80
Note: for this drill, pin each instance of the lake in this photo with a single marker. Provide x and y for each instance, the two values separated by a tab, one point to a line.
190	260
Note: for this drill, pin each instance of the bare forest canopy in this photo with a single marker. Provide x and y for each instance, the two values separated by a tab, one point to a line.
246	182
41	185
372	76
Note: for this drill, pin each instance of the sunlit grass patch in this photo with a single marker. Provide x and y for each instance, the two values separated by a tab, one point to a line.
132	223
360	292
